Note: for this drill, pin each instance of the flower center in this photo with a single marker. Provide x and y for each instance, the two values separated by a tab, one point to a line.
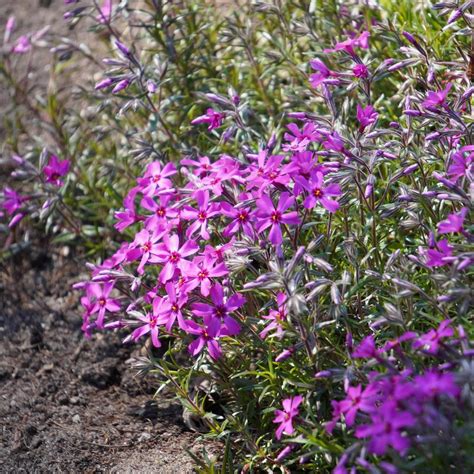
156	178
243	216
161	212
220	311
102	301
317	193
202	215
203	274
276	216
174	308
146	247
174	257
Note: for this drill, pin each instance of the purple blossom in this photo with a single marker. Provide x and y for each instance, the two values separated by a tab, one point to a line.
212	117
386	429
55	169
150	326
270	216
434	100
200	271
201	215
361	41
361	71
323	75
319	193
22	45
156	179
462	163
172	255
220	309
207	334
103	301
430	341
440	255
12	201
366	116
433	383
453	223
285	417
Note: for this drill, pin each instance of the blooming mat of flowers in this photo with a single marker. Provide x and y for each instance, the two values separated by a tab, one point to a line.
264	266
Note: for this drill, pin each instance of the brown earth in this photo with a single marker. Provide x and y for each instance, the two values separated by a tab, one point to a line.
68	404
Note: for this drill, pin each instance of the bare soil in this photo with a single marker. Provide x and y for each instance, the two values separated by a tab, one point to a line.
68	404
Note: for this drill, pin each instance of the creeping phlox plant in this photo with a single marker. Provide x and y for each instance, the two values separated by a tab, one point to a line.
255	263
265	265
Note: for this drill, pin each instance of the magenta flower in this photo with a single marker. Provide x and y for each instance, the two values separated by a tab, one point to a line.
212	117
164	214
433	384
285	416
201	215
366	116
22	45
203	165
150	326
55	169
267	171
453	223
172	255
386	430
356	399
145	246
103	302
430	341
200	271
105	12
434	100
440	255
319	193
361	41
334	142
220	309
176	301
300	139
157	178
270	216
462	163
241	220
361	71
207	336
366	349
276	318
323	75
12	200
128	216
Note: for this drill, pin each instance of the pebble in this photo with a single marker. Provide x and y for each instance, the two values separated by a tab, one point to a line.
76	419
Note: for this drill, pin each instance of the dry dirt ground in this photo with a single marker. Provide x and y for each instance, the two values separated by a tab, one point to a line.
68	404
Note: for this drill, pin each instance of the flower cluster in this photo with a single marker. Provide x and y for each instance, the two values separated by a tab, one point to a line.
409	393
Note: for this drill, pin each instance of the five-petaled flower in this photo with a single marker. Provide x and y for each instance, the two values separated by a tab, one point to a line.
285	417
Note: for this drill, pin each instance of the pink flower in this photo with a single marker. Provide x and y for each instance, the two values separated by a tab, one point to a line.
55	169
22	45
440	255
323	74
145	246
430	341
285	416
207	334
319	193
361	71
172	255
200	271
103	302
11	200
434	100
156	178
270	216
201	215
366	116
220	309
105	12
462	163
150	326
276	318
361	41
212	117
453	223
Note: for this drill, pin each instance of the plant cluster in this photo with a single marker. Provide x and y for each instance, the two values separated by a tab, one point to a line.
290	228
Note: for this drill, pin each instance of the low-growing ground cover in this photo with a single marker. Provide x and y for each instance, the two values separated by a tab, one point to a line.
276	204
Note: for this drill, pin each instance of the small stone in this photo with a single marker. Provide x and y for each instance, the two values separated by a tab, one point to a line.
144	437
76	419
74	401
